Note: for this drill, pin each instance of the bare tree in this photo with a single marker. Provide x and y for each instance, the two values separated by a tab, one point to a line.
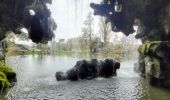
88	31
105	30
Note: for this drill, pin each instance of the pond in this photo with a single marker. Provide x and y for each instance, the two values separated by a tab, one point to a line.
36	81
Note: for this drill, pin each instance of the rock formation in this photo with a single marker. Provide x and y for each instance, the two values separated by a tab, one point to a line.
153	20
30	14
89	70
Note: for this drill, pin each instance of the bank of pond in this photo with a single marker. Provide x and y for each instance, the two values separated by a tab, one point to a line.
7	77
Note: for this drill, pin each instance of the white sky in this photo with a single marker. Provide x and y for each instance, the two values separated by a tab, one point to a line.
70	15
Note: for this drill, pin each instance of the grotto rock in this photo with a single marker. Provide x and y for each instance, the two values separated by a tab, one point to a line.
90	69
155	62
15	14
72	74
152	15
60	76
87	69
153	21
107	68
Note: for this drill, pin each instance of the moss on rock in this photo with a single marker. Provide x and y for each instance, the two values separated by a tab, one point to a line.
148	47
5	69
7	76
156	59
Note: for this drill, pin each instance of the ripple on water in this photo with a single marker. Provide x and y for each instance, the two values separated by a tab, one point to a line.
36	81
103	89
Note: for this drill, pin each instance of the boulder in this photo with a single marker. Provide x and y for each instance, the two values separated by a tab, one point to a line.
89	70
72	74
60	76
107	68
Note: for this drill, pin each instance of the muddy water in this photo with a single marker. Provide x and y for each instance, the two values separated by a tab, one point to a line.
36	81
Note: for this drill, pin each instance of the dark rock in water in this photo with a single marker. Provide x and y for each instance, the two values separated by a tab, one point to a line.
93	68
116	67
60	76
11	76
90	69
86	69
72	74
82	68
107	68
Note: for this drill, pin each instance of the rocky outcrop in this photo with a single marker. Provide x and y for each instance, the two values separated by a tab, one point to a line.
154	64
31	14
89	70
153	20
152	17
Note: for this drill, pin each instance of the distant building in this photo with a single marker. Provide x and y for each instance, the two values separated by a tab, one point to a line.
61	40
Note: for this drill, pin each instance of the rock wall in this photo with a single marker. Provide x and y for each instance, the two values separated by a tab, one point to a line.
153	20
154	62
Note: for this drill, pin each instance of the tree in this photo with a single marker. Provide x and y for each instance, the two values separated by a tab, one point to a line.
105	29
88	31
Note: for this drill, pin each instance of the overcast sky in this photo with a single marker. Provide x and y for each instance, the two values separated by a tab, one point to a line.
70	15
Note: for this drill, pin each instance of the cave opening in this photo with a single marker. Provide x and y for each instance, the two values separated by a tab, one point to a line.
85	49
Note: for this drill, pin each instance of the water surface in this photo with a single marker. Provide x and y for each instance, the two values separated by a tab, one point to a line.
36	81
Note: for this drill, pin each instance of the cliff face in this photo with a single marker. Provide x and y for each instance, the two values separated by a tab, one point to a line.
153	20
31	14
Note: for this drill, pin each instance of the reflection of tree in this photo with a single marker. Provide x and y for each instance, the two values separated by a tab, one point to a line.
105	30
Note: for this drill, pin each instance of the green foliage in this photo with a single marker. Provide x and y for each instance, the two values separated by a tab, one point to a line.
5	69
63	52
148	46
5	73
4	83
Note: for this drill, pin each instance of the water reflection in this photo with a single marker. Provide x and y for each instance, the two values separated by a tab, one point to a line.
36	81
